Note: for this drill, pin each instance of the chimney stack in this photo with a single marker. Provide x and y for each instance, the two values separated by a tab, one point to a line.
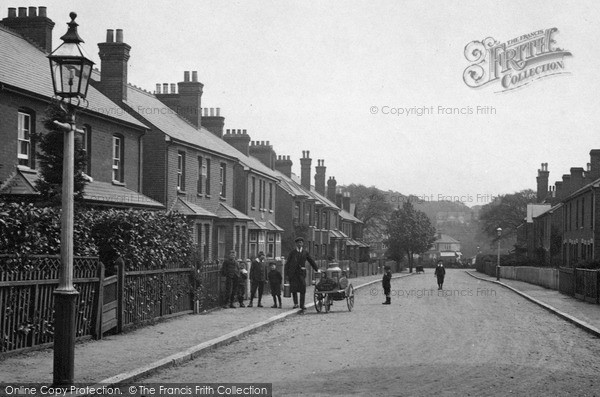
36	27
566	185
239	139
264	153
542	183
594	165
331	189
213	121
305	162
577	180
283	164
346	201
320	177
114	56
558	191
185	99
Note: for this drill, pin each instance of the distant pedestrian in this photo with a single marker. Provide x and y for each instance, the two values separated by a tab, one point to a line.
231	272
295	271
275	280
257	278
440	272
242	282
387	285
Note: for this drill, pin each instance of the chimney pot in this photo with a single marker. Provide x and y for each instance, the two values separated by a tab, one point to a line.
158	88
119	35
165	88
12	12
32	12
42	12
307	154
186	76
110	35
212	112
22	12
244	131
218	112
195	76
173	89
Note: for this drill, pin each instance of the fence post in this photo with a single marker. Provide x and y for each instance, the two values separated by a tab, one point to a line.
98	303
120	265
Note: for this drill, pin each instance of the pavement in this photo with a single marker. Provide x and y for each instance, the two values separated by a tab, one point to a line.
130	356
583	314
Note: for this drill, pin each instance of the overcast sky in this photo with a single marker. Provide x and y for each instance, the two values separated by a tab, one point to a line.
319	76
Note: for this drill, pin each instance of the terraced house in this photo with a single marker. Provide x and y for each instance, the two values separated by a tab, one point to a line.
191	167
568	232
112	139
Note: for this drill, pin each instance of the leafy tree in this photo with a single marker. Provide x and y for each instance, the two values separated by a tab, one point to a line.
51	144
373	208
507	212
410	232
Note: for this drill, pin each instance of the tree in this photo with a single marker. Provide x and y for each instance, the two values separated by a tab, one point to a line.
373	208
51	145
506	212
410	232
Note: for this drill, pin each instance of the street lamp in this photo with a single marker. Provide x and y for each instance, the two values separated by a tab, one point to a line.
71	69
499	233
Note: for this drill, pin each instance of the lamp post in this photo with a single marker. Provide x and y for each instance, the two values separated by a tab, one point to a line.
499	233
71	69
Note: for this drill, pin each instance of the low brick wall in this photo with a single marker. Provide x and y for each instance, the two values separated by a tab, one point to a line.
543	276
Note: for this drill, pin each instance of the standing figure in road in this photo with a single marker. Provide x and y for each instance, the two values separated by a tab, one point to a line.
257	278
387	285
440	272
231	272
295	271
275	280
242	282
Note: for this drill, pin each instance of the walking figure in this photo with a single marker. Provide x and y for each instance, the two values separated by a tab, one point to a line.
440	272
387	285
231	272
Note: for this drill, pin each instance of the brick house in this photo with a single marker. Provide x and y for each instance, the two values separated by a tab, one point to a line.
112	137
568	232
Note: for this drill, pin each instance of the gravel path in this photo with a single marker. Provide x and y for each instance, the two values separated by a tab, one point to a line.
473	339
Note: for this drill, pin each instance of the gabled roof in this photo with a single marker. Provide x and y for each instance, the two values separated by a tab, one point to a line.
349	217
595	183
22	182
227	212
444	238
190	209
293	187
24	66
170	123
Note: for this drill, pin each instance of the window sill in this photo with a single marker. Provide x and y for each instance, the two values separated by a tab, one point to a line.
207	196
253	208
182	192
270	211
118	183
199	194
222	198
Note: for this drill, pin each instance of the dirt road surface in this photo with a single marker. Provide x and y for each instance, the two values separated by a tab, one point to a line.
472	339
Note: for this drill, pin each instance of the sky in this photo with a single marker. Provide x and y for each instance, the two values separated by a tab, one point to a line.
338	78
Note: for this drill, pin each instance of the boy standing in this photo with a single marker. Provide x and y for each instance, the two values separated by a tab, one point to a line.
242	283
275	280
387	285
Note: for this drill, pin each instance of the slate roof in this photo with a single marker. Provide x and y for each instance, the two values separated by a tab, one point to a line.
227	212
349	217
25	67
190	209
170	123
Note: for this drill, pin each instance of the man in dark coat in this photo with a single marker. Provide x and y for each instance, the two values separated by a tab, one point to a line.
231	272
295	271
257	278
387	285
440	272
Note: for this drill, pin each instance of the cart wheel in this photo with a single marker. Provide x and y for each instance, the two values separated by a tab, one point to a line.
350	297
328	302
318	302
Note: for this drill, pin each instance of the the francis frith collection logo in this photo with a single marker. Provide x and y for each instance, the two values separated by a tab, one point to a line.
515	63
